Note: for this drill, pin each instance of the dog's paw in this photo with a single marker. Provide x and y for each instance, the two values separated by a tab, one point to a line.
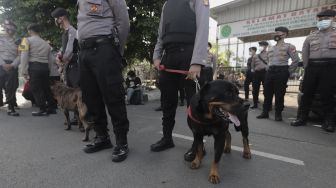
247	155
214	178
195	165
227	150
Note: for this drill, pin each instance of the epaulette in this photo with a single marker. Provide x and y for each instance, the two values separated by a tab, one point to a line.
314	32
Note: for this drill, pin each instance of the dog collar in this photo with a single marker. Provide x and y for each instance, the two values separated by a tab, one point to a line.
192	118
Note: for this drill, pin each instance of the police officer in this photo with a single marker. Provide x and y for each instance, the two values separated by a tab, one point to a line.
181	45
258	66
36	58
319	58
9	62
249	73
210	66
69	51
103	28
278	73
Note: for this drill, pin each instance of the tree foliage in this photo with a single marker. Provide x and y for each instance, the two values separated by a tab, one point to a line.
144	17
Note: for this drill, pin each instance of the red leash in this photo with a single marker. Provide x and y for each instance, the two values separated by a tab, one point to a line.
163	68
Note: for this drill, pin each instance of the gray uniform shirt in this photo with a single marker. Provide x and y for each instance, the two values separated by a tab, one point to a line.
8	51
35	49
68	52
212	61
99	17
279	55
200	54
319	45
257	64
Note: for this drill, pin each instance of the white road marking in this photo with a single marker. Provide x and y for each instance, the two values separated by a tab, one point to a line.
254	152
319	126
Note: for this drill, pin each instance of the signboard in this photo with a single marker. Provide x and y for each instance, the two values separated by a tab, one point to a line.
300	19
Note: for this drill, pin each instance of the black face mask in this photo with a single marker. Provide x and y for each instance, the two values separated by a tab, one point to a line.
277	37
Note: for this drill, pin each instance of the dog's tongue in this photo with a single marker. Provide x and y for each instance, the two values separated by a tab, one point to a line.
234	119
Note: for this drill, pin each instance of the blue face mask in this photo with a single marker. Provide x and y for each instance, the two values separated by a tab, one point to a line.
324	24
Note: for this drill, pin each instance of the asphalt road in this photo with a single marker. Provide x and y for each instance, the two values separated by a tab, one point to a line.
36	152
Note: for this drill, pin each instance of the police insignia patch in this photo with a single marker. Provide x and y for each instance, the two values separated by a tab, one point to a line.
206	2
93	8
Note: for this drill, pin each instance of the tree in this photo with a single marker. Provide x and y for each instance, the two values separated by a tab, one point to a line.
144	17
35	11
223	58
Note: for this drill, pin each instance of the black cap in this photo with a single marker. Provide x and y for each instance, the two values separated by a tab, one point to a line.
282	29
34	27
58	12
263	43
253	48
327	13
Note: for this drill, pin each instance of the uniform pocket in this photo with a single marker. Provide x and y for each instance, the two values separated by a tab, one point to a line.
332	42
94	7
314	45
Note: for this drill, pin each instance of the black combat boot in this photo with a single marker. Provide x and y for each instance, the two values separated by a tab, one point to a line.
255	105
41	112
11	111
278	116
298	122
99	143
263	115
163	144
329	125
158	109
121	151
301	119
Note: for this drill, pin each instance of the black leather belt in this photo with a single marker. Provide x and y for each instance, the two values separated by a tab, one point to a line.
261	70
95	41
278	68
175	47
322	62
8	61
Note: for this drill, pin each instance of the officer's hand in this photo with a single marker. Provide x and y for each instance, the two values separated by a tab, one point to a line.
157	63
194	72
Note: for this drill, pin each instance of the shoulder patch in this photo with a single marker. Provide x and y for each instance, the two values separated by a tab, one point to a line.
24	46
206	2
292	48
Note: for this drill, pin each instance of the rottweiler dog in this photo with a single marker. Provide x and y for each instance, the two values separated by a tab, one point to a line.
70	99
211	111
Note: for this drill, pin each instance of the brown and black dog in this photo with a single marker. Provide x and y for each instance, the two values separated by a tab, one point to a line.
70	99
210	112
